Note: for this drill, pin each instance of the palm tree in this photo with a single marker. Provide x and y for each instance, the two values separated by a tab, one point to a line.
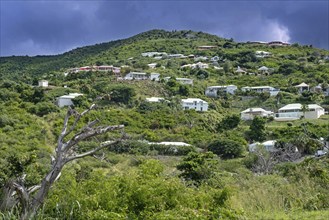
304	109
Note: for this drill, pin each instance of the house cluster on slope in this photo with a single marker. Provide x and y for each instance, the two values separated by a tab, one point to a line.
271	43
187	104
215	91
105	68
287	113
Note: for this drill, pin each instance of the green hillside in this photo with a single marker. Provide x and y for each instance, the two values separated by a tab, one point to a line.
137	180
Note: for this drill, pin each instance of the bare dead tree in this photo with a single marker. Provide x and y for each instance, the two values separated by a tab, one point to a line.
266	160
30	199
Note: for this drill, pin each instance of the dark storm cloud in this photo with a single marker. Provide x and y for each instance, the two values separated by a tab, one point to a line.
50	27
307	21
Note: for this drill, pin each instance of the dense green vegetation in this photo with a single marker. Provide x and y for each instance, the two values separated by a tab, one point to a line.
215	177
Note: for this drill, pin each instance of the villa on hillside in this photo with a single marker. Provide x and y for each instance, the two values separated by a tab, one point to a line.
263	70
194	103
200	58
142	76
153	54
268	145
212	91
321	89
206	47
136	76
155	99
251	113
239	70
303	87
262	54
43	83
296	111
152	65
169	143
66	100
178	55
278	43
199	65
95	68
186	81
214	59
260	89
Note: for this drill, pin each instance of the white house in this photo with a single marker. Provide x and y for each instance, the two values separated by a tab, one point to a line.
278	43
295	111
268	145
251	113
239	70
142	76
104	68
153	54
259	89
43	83
154	99
263	69
262	54
199	65
214	59
194	103
302	87
212	91
152	65
322	89
136	76
170	143
206	47
178	55
155	76
66	100
186	81
200	58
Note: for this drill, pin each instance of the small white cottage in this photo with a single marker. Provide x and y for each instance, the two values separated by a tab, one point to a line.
66	100
194	103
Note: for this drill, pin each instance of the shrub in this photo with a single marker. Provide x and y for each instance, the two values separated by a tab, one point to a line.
197	166
227	148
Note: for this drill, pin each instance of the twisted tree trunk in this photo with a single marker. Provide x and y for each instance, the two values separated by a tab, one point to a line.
15	193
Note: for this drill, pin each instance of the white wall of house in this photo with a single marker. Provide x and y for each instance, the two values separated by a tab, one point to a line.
196	104
295	111
155	76
142	76
185	81
212	91
251	113
259	89
155	99
136	76
66	100
43	83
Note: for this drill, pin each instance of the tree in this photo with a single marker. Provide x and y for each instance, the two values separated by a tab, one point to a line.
227	67
122	94
226	148
304	109
257	129
29	200
229	122
197	166
183	90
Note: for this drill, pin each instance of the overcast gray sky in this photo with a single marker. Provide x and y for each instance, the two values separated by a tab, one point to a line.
42	27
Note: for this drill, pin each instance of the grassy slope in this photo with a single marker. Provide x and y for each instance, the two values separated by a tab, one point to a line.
255	203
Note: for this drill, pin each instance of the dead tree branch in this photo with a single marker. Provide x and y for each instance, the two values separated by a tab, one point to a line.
32	198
